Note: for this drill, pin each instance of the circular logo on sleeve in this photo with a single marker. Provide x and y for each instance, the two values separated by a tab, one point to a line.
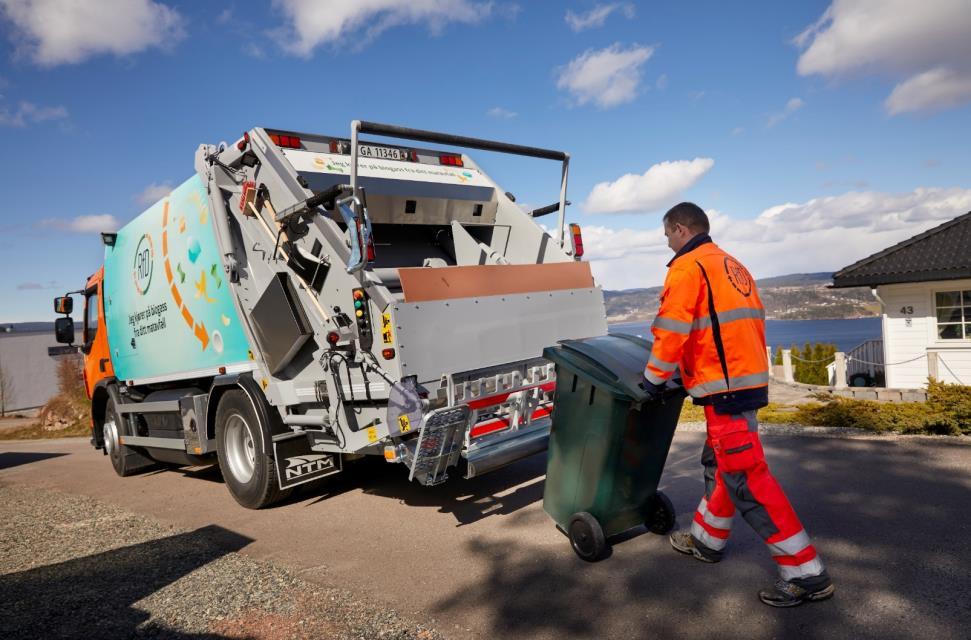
738	276
142	267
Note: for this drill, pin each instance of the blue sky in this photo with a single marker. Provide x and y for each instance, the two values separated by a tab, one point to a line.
810	143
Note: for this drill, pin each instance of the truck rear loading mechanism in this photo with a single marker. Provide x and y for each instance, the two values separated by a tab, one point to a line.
303	300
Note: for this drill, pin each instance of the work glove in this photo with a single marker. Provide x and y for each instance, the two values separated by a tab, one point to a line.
654	391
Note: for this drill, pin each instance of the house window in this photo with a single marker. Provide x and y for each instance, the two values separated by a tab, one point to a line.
953	315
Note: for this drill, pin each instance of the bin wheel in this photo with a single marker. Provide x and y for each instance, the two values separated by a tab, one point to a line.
587	537
661	514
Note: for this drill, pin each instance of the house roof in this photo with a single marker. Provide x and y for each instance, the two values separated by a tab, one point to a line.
941	253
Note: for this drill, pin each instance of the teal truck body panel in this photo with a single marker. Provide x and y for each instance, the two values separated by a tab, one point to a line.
168	307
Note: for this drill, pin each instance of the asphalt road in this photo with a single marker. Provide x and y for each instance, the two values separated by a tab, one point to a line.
480	559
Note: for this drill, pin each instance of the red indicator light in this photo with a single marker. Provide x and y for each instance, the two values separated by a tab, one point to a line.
387	354
294	142
241	145
358	294
577	240
333	146
370	250
413	156
333	338
275	138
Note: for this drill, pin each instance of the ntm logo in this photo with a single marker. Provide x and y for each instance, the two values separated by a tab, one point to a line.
142	268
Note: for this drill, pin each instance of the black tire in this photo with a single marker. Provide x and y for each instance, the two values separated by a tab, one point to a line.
249	473
587	537
125	460
661	515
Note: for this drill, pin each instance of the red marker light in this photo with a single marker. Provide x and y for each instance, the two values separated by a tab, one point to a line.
333	338
241	145
577	240
387	354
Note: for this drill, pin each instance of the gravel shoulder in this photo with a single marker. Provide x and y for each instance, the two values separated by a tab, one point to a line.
74	567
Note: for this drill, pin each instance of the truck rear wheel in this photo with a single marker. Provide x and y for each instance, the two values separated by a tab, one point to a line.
250	474
124	459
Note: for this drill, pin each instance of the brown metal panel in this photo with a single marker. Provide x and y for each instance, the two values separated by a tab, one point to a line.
442	283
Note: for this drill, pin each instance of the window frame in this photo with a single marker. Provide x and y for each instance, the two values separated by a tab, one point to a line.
965	303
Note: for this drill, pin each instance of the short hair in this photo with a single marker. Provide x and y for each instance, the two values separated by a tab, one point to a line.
689	215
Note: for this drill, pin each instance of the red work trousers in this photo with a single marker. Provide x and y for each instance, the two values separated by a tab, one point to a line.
737	477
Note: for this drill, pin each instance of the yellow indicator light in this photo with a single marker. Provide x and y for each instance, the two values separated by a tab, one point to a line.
390	454
359	313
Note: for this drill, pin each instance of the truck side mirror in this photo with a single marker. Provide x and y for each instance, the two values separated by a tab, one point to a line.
64	305
64	329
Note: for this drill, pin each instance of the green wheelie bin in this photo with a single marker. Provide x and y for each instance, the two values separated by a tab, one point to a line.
608	443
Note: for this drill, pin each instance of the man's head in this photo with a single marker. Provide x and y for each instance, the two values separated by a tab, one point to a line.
683	222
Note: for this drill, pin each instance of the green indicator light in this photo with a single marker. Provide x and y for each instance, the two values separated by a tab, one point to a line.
358	304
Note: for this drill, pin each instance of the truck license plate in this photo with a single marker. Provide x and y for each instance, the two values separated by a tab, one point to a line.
381	153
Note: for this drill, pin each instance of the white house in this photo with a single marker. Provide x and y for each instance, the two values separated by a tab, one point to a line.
924	287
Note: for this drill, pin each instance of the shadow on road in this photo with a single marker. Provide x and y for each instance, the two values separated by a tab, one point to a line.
94	596
10	459
886	518
503	492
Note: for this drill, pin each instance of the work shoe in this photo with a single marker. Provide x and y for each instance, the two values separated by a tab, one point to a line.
684	542
789	594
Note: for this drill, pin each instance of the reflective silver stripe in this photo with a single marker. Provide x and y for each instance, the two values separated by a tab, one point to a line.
670	324
740	313
708	388
791	545
662	365
808	569
718	522
654	379
705	538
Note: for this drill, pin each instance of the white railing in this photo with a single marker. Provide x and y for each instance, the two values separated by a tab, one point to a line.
866	358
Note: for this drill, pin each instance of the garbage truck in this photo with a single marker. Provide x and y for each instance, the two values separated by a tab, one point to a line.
304	300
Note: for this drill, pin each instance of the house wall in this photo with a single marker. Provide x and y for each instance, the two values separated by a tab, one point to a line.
910	332
31	374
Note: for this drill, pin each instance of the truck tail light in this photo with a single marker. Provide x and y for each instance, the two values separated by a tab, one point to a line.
577	240
284	140
452	161
243	142
248	195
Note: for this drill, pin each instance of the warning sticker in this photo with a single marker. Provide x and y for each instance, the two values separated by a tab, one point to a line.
386	334
372	434
404	424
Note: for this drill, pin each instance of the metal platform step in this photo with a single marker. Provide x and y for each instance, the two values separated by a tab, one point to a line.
439	444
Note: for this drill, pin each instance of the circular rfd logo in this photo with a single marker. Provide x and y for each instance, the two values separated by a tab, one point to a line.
142	267
738	276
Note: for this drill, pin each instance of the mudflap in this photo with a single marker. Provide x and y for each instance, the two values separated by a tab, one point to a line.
297	463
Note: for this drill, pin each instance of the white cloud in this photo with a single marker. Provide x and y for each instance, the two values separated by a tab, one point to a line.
930	91
737	131
822	234
793	105
597	16
29	113
657	188
225	16
502	114
662	82
153	193
313	23
53	32
83	224
928	47
607	77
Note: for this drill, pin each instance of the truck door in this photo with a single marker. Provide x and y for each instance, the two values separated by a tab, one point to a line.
94	336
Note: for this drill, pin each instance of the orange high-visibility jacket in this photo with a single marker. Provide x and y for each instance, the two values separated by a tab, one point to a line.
711	324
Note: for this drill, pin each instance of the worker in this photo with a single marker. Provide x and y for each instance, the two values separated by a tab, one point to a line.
711	326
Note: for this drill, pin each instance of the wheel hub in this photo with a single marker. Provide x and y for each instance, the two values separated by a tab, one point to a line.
240	448
111	436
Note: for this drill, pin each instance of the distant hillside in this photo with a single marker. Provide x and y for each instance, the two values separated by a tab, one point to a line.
799	296
25	327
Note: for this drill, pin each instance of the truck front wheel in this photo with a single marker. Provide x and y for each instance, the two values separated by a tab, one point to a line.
124	459
250	474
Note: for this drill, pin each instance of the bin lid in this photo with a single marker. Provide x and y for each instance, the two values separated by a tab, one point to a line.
615	361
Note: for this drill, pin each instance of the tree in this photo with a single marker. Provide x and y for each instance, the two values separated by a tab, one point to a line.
6	388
